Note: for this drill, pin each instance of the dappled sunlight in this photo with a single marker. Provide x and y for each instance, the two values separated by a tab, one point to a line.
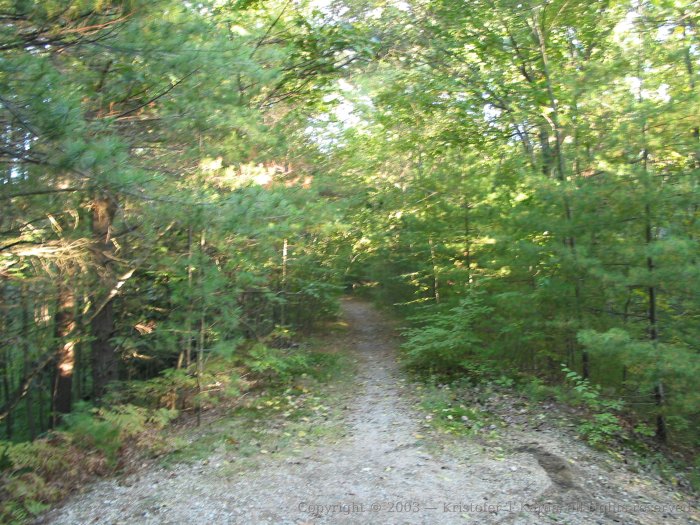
350	262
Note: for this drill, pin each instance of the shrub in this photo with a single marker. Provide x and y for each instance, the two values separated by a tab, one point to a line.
441	340
282	365
604	425
90	432
35	474
536	390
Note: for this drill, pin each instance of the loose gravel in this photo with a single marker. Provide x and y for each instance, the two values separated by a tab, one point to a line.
385	470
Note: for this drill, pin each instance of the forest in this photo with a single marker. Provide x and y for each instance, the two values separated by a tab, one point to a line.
189	187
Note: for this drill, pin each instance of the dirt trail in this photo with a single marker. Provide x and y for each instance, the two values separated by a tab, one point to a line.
383	471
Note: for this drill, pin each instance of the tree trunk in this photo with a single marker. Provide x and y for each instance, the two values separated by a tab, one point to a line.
190	306
436	271
202	328
29	399
560	168
61	399
104	359
6	391
467	242
283	305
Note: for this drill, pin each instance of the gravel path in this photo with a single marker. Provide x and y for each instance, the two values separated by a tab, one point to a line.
383	471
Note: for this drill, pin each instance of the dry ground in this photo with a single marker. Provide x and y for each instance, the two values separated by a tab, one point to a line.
384	469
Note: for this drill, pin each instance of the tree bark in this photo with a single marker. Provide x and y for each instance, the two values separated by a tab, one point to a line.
538	28
202	328
104	360
31	426
62	396
436	271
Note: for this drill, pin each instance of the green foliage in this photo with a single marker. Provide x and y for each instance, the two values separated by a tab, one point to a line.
536	389
90	432
171	389
193	136
695	474
504	382
479	162
283	365
647	363
447	413
604	425
107	430
277	415
601	429
443	340
36	474
521	183
93	440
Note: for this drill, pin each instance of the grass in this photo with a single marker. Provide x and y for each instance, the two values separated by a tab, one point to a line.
447	413
271	423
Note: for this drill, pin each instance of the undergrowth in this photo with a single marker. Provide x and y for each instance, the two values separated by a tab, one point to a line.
442	351
448	413
99	441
